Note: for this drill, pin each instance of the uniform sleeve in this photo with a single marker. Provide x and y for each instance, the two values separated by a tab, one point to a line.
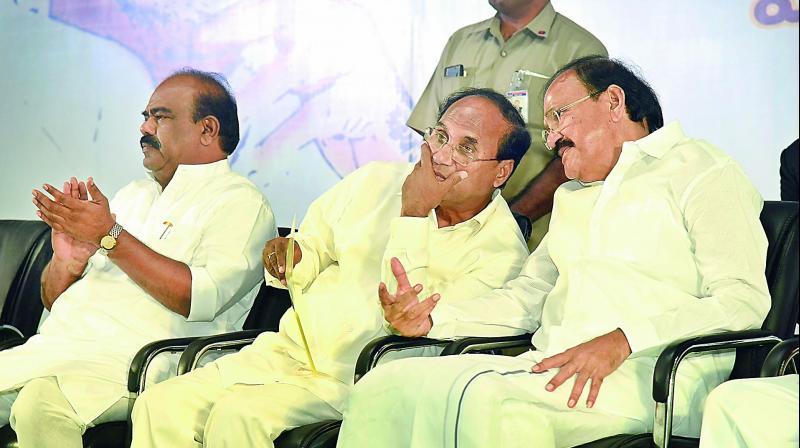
721	214
515	308
227	262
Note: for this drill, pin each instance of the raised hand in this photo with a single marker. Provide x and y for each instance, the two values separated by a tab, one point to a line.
85	220
403	310
422	191
593	360
66	249
274	256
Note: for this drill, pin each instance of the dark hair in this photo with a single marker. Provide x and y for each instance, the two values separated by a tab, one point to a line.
599	72
217	100
515	142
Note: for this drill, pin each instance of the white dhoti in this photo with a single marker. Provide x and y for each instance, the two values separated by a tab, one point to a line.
753	412
484	400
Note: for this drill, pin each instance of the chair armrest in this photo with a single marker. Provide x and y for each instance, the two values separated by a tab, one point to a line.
377	348
780	358
473	344
667	364
137	374
199	347
10	337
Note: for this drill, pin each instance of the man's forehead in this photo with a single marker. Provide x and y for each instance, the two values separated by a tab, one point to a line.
173	92
473	113
564	87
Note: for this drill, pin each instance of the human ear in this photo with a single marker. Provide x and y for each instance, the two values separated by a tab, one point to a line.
504	170
616	100
210	131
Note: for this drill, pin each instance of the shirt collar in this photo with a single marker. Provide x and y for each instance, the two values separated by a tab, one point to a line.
186	175
476	222
659	142
539	26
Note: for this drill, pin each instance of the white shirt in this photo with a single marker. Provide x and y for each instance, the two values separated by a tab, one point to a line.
347	238
669	245
208	217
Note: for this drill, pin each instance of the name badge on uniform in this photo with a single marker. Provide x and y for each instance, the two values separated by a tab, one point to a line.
519	98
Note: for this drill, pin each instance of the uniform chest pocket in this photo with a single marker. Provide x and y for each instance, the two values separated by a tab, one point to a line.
455	82
178	242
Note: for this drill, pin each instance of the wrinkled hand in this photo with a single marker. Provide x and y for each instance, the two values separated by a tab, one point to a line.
78	222
403	310
274	256
422	191
593	360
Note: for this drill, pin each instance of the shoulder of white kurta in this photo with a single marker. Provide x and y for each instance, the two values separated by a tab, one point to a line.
233	185
380	171
502	227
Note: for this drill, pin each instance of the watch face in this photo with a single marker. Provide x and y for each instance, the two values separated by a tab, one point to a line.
108	242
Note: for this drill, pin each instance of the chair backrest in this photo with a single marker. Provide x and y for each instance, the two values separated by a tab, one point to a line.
780	221
270	304
25	250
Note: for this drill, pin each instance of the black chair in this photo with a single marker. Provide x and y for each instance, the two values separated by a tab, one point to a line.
268	307
780	221
24	250
782	359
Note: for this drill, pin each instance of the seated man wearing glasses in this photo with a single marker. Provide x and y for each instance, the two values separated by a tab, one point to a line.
656	238
442	218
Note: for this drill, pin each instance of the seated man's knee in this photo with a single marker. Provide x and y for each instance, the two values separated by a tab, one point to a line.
38	403
157	398
232	414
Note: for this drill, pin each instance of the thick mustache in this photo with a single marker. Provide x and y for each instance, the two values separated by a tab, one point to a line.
563	143
150	140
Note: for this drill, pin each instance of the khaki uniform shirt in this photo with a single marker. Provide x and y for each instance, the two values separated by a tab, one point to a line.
549	42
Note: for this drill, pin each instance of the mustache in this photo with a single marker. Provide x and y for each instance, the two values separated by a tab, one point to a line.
563	143
150	140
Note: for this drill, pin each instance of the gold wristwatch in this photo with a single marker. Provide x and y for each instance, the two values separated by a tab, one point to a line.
109	242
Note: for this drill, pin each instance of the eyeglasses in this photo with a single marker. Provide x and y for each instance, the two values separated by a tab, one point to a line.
552	119
461	154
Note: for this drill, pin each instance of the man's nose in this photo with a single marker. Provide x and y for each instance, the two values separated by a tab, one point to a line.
442	156
552	138
148	127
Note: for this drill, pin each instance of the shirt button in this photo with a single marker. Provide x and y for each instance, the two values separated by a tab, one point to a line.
503	53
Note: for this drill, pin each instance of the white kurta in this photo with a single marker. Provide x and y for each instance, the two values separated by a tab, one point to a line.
752	413
348	237
218	223
669	245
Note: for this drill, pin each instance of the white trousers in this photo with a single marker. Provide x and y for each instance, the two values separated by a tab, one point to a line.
483	400
42	417
753	412
196	410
